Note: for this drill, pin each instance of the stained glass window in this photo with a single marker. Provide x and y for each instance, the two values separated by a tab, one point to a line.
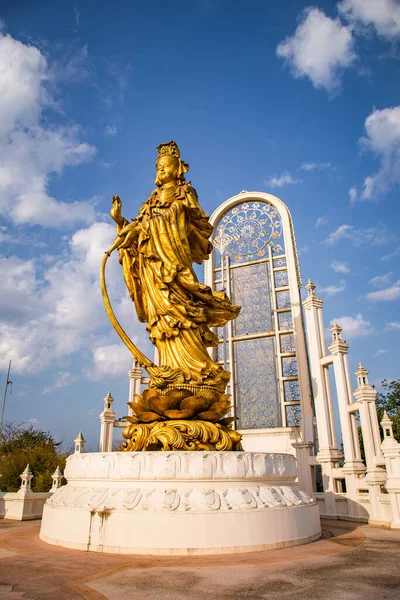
287	342
257	384
281	279
279	262
250	238
293	415
283	299
285	320
246	231
289	367
251	290
292	391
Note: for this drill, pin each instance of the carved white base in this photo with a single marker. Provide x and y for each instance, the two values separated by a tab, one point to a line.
180	503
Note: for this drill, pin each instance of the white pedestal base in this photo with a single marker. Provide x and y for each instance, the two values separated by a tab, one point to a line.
180	503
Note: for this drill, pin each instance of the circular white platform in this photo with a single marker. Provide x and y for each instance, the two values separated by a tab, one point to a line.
180	503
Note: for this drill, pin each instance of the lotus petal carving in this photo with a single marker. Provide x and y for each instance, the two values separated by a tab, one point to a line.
187	413
181	404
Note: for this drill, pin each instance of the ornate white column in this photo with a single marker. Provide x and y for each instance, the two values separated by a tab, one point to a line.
135	378
391	452
376	476
352	452
353	467
366	397
107	418
328	454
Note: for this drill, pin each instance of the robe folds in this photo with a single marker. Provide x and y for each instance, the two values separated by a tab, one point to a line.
179	311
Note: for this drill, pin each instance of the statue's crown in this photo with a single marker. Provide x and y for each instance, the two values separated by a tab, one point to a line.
169	148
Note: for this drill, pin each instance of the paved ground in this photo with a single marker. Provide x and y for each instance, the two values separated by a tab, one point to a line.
349	563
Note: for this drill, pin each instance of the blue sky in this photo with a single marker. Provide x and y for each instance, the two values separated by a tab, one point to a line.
302	102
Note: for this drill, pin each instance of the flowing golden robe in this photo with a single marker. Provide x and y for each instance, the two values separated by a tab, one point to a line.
173	233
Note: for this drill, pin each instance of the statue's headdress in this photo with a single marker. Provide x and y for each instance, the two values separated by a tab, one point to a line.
171	149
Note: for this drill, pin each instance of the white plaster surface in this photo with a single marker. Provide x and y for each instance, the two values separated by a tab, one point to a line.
180	503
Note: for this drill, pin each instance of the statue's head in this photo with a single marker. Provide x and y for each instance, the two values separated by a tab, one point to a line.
170	167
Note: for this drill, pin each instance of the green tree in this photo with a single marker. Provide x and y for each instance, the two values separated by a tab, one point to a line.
21	445
389	400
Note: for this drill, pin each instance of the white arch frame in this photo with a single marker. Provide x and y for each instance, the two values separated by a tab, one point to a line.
306	423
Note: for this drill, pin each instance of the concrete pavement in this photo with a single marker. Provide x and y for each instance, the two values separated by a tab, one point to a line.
350	563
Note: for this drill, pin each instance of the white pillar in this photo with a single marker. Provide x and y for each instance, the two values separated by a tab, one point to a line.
376	476
79	443
135	378
107	418
366	398
353	467
328	454
352	452
391	452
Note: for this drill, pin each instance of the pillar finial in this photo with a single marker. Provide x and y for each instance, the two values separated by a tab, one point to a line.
336	331
362	375
108	401
57	478
310	287
79	443
26	478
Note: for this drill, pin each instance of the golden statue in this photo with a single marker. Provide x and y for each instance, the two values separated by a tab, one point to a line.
183	407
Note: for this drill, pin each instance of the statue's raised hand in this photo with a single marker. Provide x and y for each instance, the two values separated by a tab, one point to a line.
115	211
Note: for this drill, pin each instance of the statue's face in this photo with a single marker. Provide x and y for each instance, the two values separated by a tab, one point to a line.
167	170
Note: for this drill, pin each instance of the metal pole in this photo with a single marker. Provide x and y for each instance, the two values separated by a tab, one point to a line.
8	382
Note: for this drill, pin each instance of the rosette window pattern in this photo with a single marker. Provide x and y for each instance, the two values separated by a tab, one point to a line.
179	420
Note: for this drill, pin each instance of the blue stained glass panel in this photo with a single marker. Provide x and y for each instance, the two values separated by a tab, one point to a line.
289	366
281	279
287	342
251	290
293	415
258	403
285	320
292	391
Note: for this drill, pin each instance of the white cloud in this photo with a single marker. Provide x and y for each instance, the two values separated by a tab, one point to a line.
65	312
112	360
315	166
332	290
353	326
342	232
340	267
382	137
285	179
353	195
395	252
381	280
31	149
381	352
110	130
382	15
374	236
321	221
393	326
387	294
320	49
62	379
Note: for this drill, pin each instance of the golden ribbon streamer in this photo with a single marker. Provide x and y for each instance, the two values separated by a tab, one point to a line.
141	358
